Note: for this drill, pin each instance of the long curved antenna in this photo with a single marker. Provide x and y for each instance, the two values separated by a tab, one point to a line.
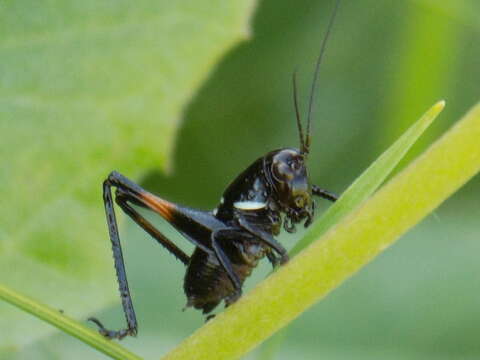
303	149
317	70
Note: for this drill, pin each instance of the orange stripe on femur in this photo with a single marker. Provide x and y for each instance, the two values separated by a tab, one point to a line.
164	208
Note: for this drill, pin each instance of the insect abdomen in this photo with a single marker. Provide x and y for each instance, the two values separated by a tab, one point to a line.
207	283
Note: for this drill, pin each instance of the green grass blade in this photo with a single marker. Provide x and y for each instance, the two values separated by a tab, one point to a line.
345	248
70	326
367	183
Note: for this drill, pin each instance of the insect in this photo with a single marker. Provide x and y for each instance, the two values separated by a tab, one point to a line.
273	192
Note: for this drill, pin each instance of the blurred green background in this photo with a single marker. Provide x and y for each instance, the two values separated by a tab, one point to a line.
386	63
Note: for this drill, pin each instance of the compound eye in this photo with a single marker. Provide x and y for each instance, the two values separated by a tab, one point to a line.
282	171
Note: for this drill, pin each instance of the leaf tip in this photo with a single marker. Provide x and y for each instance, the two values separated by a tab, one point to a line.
439	106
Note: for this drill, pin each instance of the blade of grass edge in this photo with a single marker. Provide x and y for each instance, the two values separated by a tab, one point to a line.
370	180
349	245
68	325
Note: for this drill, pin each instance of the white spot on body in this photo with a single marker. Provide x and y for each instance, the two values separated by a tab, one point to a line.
249	205
214	212
256	185
222	200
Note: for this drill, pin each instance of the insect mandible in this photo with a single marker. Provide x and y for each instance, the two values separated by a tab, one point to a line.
273	192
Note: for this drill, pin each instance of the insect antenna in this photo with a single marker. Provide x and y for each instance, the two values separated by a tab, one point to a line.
313	89
297	113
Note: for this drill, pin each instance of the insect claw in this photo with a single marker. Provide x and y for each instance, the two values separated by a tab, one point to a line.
273	259
101	329
96	322
309	220
233	297
112	334
209	317
284	259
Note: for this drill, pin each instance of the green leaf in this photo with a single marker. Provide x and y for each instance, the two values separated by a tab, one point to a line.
367	183
345	248
85	88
